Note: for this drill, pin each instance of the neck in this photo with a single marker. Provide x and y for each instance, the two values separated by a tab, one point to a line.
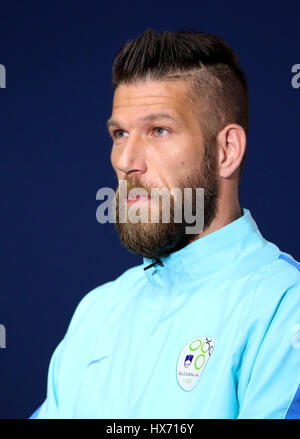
226	213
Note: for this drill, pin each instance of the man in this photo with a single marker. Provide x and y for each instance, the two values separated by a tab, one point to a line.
208	325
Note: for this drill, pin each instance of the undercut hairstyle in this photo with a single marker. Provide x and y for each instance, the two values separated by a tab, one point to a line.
218	86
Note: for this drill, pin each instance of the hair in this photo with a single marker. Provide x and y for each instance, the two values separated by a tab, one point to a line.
217	83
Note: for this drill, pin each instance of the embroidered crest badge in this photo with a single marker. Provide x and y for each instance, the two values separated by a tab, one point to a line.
192	361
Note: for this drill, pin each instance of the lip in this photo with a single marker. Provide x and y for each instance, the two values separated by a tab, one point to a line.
138	199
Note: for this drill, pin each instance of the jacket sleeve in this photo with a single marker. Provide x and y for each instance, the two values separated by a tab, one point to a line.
271	387
62	365
49	408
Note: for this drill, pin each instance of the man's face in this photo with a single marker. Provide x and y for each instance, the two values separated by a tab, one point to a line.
158	143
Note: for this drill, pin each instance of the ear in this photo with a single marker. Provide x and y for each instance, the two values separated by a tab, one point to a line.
231	142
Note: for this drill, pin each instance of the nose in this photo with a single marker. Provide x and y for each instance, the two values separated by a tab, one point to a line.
130	156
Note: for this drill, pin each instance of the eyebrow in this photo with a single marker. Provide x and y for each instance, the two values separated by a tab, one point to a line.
149	117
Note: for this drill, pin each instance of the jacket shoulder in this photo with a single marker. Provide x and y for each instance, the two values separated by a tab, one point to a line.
278	286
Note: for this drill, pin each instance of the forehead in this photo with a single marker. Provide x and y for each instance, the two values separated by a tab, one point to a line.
141	98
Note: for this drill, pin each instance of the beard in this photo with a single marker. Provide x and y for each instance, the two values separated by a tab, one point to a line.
159	239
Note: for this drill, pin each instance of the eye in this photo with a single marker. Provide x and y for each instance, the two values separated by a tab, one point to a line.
117	134
160	131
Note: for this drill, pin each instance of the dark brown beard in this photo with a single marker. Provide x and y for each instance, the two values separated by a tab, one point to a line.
154	240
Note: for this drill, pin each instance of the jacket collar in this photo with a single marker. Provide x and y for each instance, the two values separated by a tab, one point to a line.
209	254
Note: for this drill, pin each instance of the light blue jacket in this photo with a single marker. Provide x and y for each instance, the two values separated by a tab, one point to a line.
214	332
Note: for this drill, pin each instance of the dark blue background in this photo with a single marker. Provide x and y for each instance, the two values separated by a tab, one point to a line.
55	155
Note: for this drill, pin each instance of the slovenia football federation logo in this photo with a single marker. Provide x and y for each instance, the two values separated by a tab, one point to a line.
192	361
188	360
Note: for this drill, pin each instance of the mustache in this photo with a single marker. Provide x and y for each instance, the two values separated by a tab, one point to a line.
135	183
